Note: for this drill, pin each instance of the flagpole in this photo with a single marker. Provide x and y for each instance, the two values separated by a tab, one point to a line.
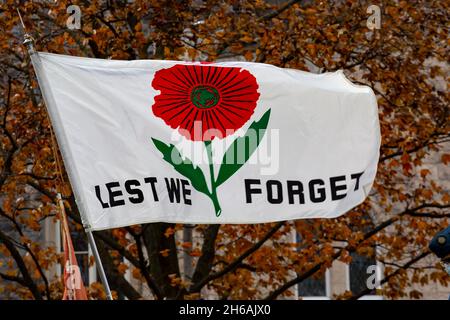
29	43
100	268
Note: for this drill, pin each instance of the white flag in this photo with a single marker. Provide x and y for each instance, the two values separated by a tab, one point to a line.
229	142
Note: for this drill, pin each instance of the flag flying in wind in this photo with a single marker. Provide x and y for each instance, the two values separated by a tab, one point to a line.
228	142
73	282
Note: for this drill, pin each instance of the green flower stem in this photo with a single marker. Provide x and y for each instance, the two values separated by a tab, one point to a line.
213	193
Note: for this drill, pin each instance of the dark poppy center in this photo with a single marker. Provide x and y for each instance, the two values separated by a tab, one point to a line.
204	97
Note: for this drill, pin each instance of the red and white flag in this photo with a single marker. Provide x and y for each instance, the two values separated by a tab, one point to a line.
73	283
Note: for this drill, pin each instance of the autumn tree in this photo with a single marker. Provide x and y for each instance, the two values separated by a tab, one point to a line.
405	62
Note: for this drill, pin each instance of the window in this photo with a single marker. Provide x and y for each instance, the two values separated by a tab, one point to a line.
315	289
364	270
312	287
358	273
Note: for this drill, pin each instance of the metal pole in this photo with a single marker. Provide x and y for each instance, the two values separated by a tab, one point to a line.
98	261
29	43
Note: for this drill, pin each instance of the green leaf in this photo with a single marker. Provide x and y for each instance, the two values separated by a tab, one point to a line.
242	148
184	167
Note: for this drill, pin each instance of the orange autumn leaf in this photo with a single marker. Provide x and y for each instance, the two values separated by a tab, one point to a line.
164	253
319	37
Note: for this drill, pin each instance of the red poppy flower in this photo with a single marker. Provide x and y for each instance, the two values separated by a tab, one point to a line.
204	101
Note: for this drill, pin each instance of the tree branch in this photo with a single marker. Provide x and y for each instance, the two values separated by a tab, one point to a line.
198	285
393	274
279	10
118	282
349	248
13	278
27	279
143	267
